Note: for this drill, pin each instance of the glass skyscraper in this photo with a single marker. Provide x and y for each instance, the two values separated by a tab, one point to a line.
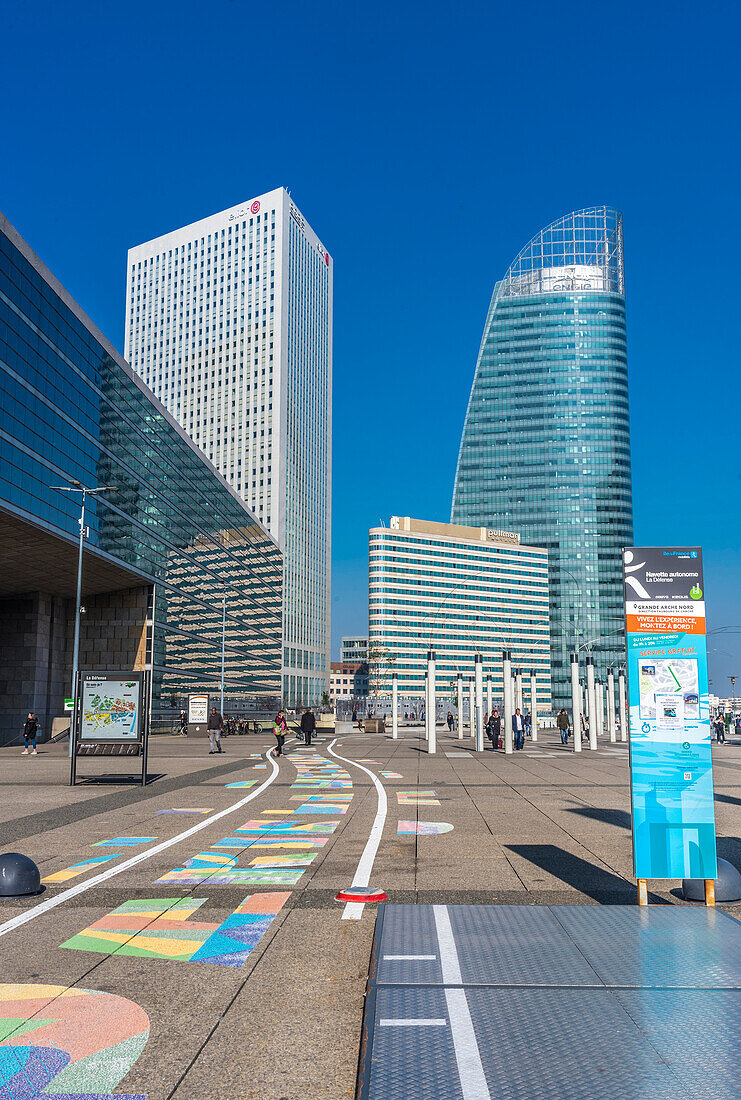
546	447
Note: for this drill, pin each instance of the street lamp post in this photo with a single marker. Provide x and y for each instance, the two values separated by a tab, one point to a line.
78	487
223	648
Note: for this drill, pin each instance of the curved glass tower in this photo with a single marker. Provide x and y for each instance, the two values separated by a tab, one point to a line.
546	448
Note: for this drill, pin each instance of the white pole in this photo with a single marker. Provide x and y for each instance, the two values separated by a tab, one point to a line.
599	694
488	694
507	682
534	704
223	646
611	705
591	704
576	701
395	705
623	709
471	708
432	740
427	707
478	669
518	689
459	686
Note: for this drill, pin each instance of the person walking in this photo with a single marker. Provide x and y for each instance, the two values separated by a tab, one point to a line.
720	731
494	730
308	725
30	729
528	725
518	729
183	729
280	729
215	726
562	722
450	722
583	728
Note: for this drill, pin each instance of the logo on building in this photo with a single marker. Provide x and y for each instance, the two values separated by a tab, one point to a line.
255	208
503	536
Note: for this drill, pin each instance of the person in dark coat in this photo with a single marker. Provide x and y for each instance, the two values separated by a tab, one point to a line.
494	729
308	725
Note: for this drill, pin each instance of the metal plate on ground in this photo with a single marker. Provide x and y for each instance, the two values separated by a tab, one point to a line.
661	946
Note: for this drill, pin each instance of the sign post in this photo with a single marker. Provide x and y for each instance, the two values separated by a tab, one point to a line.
671	765
111	717
197	714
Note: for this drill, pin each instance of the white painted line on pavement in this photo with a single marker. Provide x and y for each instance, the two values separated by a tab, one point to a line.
400	958
354	909
134	861
413	1023
467	1056
470	1069
448	953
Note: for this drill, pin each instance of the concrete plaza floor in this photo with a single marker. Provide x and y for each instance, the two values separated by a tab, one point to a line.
283	1018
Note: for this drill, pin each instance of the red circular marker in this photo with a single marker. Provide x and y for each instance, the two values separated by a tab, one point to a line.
361	893
255	208
326	258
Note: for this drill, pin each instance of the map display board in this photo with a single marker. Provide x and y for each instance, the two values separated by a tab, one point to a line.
670	736
198	709
111	707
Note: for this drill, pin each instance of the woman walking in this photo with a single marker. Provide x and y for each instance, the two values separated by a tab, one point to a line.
280	729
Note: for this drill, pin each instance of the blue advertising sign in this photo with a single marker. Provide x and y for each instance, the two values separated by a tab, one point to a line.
669	714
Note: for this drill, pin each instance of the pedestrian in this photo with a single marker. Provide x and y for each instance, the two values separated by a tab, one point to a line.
183	730
280	729
583	728
450	722
720	731
215	726
562	722
355	715
494	730
738	725
30	729
518	729
528	725
308	725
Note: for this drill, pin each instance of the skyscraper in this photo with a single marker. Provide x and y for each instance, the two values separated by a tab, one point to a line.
545	447
229	322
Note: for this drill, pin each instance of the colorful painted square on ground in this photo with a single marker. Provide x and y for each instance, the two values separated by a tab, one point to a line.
391	775
207	810
417	798
243	783
79	868
424	828
160	928
124	842
285	828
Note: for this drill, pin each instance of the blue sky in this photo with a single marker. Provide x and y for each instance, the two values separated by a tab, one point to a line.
425	144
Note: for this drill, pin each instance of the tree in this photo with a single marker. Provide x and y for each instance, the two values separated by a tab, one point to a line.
381	661
326	701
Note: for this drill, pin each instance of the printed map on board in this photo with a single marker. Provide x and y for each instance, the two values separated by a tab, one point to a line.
675	676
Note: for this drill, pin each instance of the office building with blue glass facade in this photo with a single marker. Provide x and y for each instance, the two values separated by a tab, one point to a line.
175	565
545	448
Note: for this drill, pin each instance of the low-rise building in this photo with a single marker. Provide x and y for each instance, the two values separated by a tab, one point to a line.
354	648
348	680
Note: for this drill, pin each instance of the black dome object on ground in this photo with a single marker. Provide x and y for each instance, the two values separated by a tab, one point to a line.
727	884
19	876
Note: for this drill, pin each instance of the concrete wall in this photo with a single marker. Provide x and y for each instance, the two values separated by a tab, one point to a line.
36	639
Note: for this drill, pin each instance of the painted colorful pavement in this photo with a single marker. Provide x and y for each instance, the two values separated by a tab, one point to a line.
391	775
124	842
417	798
78	869
67	1044
162	928
424	828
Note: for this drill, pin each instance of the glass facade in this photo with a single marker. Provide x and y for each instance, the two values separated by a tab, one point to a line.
546	447
454	590
73	409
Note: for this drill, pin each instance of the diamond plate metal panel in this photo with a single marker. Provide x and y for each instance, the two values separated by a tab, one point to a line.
516	945
697	1033
408	930
414	1062
662	946
544	1043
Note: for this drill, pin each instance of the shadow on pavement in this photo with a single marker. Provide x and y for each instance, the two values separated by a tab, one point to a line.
621	818
595	882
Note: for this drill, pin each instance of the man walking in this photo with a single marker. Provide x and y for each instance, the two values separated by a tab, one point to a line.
518	729
30	729
563	725
308	725
215	726
494	730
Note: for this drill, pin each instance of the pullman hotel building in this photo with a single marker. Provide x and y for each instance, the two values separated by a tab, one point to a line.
459	591
175	565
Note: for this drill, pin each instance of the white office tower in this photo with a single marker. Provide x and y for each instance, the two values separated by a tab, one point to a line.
229	322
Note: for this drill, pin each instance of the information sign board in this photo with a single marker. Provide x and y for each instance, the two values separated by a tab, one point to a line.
111	707
197	710
670	735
